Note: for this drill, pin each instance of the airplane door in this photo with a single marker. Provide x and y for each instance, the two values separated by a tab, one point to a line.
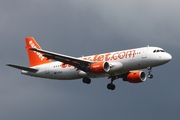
144	53
46	70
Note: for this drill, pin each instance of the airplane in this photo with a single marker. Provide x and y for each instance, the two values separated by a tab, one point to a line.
125	64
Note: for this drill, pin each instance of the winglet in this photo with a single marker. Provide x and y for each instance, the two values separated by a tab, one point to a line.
35	58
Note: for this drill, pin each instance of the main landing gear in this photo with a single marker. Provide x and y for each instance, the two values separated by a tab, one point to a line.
111	86
149	73
86	80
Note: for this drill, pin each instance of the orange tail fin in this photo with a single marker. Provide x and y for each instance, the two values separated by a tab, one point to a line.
35	58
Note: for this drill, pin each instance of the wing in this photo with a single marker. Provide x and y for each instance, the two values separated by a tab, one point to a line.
76	62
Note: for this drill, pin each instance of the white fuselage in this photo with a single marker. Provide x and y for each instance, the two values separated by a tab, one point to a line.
120	61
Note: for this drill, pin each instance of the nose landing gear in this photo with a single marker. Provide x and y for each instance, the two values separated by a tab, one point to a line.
149	73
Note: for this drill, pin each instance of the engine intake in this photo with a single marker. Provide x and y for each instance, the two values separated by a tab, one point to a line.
99	67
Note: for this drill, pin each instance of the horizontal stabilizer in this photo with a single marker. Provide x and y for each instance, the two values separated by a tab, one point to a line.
23	68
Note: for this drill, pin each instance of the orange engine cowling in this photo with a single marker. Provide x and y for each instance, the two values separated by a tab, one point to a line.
135	77
99	67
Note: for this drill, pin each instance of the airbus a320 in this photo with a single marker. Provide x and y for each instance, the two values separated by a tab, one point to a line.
125	64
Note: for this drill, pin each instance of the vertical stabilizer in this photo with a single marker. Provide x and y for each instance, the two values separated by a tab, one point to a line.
35	58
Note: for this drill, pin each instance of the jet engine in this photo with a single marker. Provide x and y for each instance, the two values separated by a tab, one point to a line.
135	77
99	67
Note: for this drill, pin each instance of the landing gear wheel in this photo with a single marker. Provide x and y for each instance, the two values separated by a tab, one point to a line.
86	80
111	86
150	76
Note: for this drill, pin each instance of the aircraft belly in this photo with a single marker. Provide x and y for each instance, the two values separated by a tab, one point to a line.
64	74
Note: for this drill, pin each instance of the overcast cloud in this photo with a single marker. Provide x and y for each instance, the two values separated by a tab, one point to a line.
78	27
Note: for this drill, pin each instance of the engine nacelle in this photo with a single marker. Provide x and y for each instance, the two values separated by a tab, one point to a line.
99	67
135	77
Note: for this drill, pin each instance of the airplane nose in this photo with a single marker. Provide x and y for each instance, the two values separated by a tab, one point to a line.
168	57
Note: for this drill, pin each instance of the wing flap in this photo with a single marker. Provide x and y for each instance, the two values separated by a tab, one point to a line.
23	68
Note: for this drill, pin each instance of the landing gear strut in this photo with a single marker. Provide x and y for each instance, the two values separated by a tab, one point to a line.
86	80
149	73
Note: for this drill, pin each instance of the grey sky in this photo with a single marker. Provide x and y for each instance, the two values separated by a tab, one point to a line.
78	27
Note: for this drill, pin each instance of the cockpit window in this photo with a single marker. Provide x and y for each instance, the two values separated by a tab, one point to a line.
162	50
155	51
